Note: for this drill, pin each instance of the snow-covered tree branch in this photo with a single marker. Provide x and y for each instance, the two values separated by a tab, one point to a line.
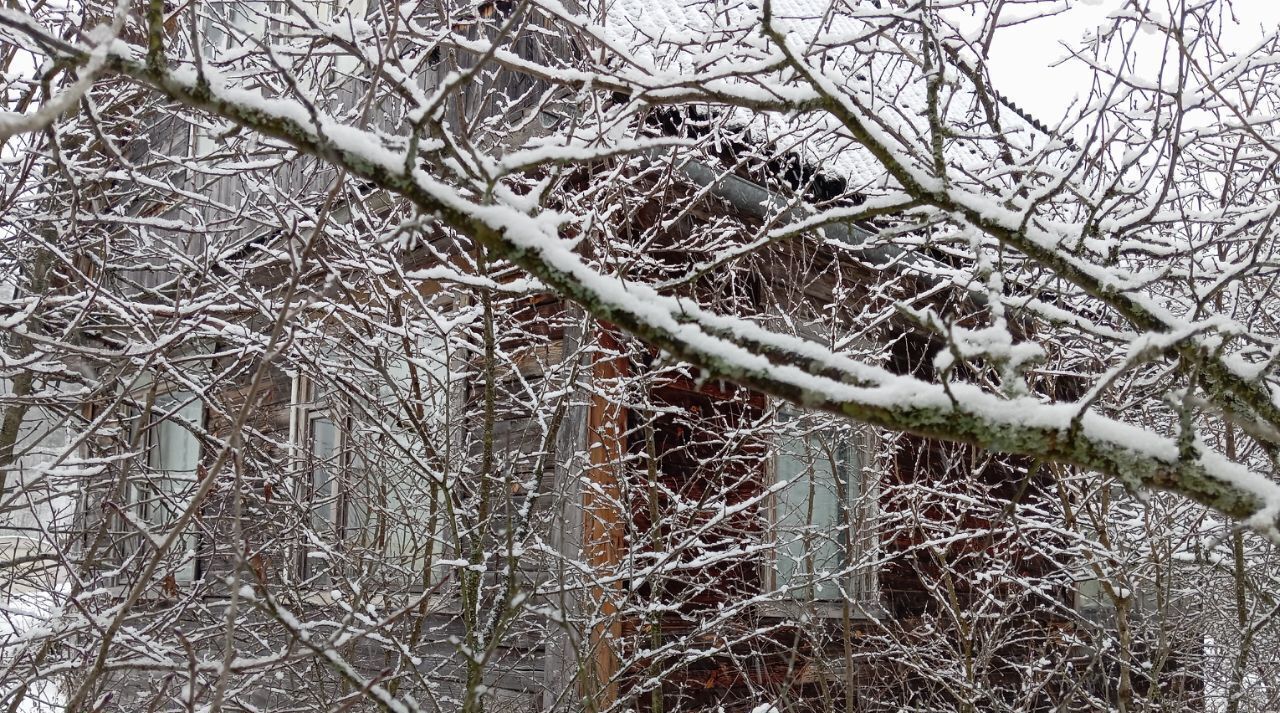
357	306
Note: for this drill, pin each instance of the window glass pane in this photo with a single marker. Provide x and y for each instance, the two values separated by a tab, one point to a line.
177	450
430	366
174	456
228	24
1090	595
408	500
812	513
324	471
359	487
392	504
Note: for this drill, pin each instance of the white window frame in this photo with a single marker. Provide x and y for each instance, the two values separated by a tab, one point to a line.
311	415
346	523
862	507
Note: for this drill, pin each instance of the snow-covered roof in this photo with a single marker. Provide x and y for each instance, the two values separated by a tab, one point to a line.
678	38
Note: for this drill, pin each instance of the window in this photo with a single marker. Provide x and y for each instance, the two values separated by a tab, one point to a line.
325	467
231	24
821	512
1092	597
376	503
234	24
160	496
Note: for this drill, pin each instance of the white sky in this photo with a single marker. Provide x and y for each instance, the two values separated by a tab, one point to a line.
1022	56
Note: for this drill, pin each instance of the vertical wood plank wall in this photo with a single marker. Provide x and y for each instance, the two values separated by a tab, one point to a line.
602	527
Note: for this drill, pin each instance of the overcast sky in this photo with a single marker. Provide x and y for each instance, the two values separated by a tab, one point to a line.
1023	57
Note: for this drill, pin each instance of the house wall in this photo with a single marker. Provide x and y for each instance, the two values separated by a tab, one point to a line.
845	660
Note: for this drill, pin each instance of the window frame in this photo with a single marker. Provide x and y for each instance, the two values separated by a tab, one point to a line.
349	520
143	499
860	539
309	414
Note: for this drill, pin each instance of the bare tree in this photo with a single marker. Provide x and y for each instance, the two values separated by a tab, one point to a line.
661	356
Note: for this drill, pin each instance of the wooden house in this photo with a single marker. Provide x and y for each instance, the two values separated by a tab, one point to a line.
397	467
